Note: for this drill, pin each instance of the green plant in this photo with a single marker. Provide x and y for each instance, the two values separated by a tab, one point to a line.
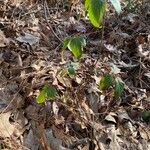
96	10
106	81
47	92
69	69
112	80
75	44
119	87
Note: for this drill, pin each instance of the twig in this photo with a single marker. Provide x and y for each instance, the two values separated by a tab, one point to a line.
46	18
100	45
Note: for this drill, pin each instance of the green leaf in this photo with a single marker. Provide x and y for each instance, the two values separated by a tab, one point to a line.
75	45
106	82
42	96
119	87
72	67
46	92
146	116
96	10
117	6
71	70
87	3
51	92
65	43
82	40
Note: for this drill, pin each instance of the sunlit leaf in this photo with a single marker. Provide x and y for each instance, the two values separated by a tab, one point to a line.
51	92
42	96
96	10
46	92
106	81
117	6
87	3
75	45
65	43
119	87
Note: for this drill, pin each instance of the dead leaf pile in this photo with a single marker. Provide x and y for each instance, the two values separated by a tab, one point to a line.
81	117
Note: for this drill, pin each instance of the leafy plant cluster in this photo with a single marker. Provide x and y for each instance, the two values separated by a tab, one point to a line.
95	11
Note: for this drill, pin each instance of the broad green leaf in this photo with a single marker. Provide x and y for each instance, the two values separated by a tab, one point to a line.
117	6
42	96
82	40
51	92
146	116
119	87
46	92
71	70
87	3
106	82
96	10
65	43
75	45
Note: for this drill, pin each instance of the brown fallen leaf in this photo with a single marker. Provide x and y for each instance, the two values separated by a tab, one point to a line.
3	40
6	128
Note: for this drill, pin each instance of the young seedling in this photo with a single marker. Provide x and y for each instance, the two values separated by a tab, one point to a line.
47	92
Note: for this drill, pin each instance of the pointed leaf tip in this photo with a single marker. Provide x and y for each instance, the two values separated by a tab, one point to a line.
119	87
96	10
106	81
75	45
117	6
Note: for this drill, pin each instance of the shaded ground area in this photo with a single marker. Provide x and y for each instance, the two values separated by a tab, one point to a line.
81	117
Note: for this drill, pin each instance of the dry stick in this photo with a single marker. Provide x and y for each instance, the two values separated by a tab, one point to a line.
29	9
46	18
100	45
12	15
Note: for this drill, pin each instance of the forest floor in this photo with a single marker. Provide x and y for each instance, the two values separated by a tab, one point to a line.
81	116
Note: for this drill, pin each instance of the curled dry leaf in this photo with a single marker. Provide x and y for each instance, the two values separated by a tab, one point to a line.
112	133
123	115
3	40
29	39
6	128
111	118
